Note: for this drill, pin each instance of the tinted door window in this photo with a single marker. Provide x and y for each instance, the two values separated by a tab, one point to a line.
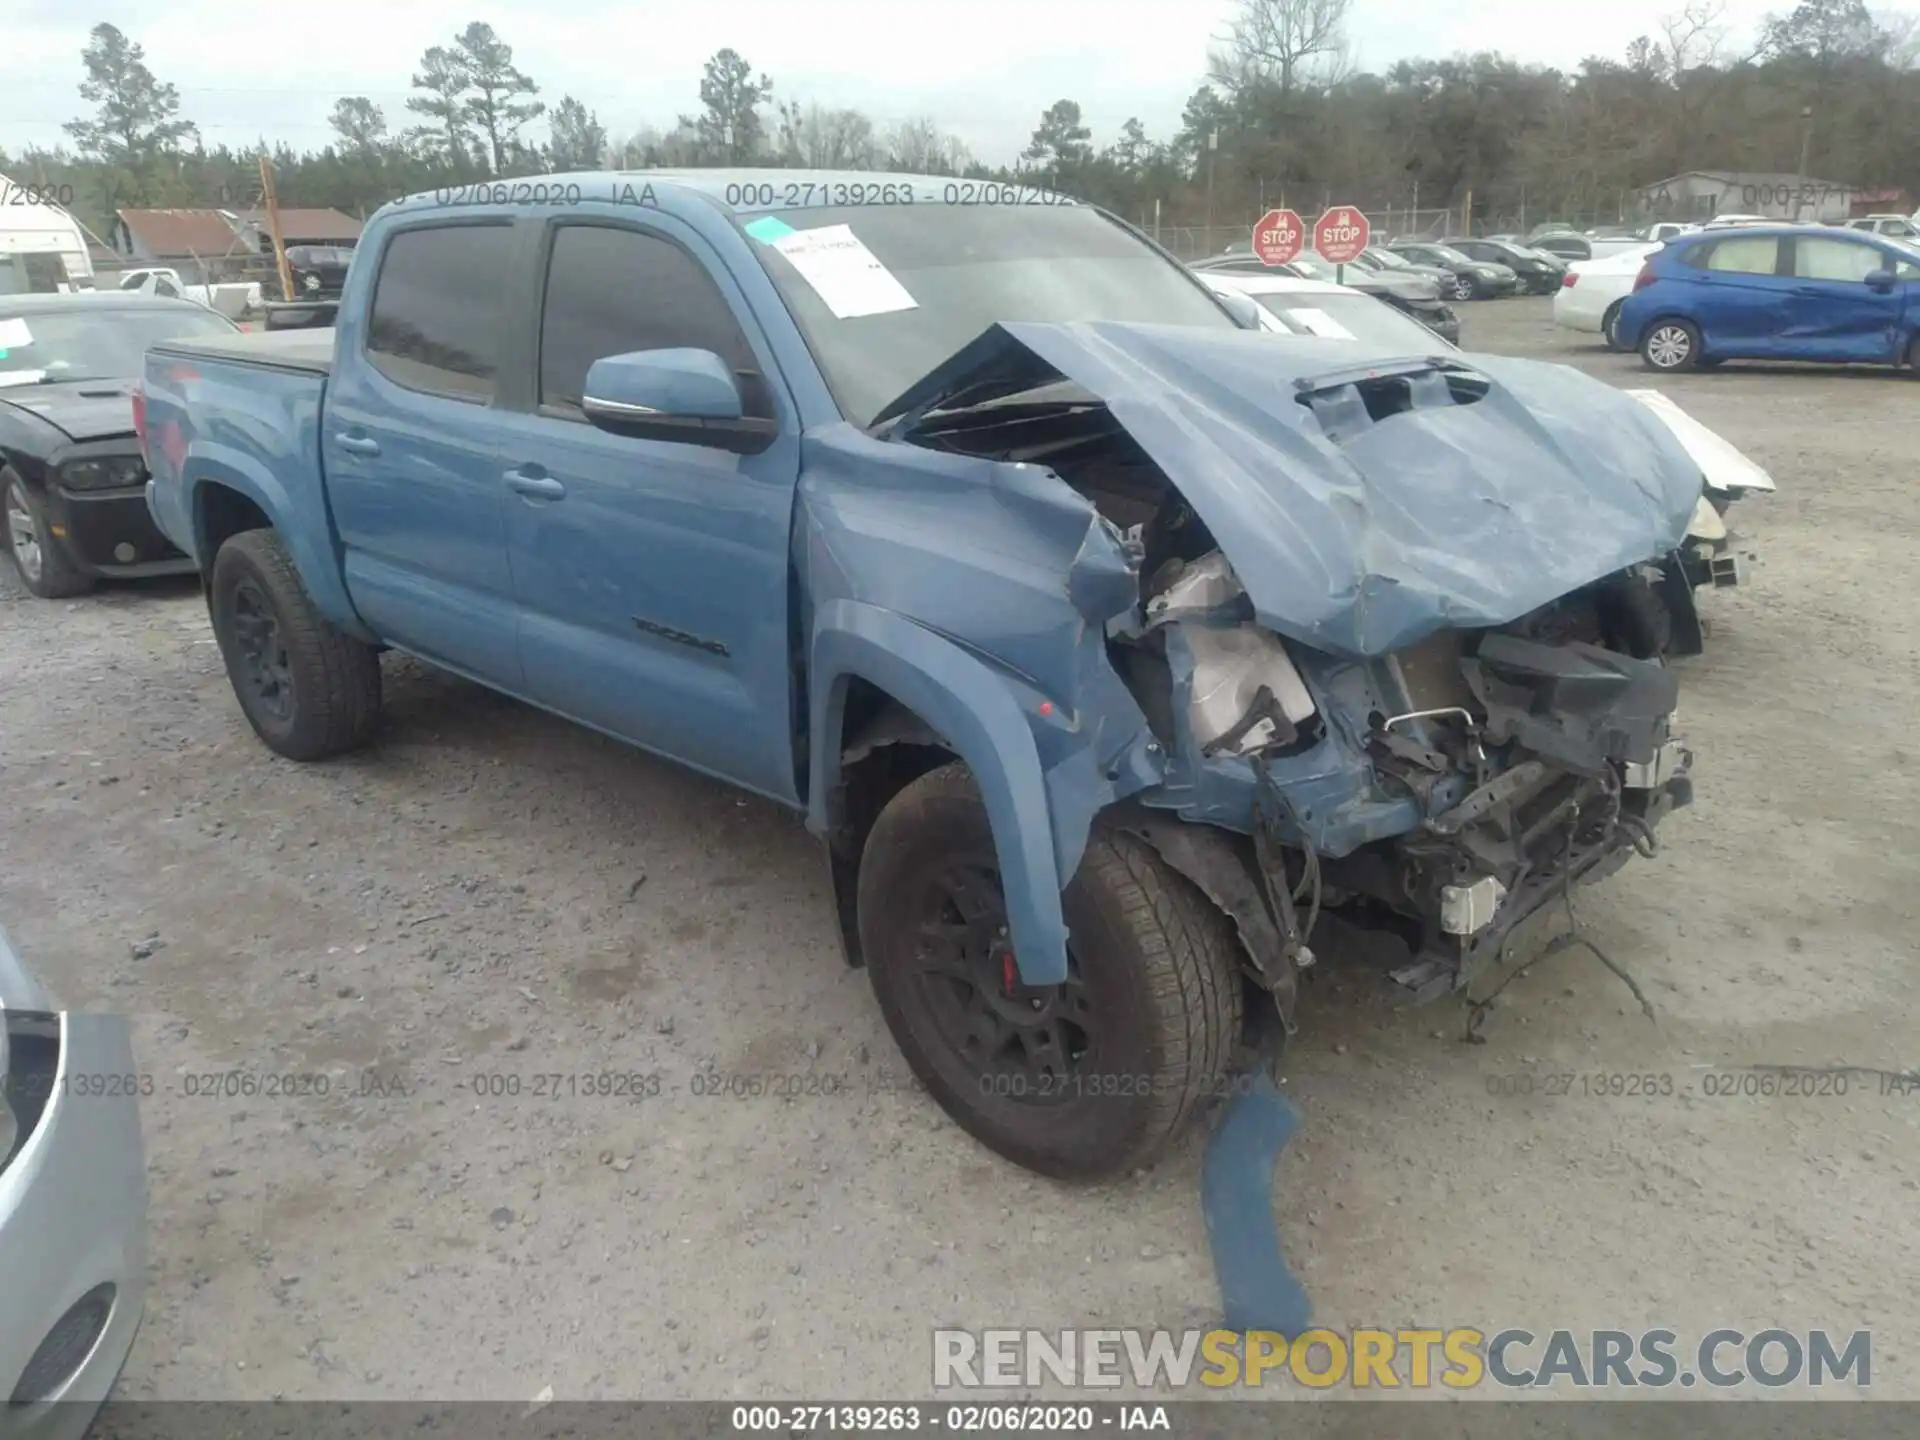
611	291
1745	255
440	309
1818	258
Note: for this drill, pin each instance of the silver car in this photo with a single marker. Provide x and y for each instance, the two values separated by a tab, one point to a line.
73	1209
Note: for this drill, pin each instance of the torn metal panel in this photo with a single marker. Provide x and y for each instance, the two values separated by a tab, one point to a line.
1367	507
1021	605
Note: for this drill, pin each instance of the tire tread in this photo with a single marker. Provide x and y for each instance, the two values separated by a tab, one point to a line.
337	680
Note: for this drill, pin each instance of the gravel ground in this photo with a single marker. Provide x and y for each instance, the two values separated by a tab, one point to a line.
489	892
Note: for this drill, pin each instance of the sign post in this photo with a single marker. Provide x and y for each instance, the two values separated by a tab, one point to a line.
1278	236
1340	235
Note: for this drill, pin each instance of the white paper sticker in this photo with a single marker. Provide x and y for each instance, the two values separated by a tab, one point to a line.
14	334
844	273
1318	322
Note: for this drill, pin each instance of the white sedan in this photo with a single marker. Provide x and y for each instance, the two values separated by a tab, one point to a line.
1291	306
1592	291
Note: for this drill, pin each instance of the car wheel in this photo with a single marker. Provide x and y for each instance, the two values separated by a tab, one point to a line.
1607	323
1464	288
1913	358
1670	345
1089	1078
38	556
308	690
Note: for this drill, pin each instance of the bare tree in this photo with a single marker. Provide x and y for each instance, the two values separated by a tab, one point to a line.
822	139
1694	36
1278	42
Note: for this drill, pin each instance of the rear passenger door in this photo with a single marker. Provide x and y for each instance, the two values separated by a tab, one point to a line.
652	575
1835	314
1738	296
409	446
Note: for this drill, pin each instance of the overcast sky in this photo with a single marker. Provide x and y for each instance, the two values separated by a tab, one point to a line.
985	70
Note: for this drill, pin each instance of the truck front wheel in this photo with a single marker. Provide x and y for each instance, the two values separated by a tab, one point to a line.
307	689
1079	1080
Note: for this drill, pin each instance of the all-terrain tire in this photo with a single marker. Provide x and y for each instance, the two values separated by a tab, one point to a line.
332	680
1158	966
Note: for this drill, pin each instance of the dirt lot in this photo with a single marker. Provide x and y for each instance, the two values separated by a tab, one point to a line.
489	892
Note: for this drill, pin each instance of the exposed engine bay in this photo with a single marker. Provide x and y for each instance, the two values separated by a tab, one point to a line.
1444	791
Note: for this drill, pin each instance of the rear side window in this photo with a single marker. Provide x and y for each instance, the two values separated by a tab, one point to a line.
611	291
1818	258
440	310
1741	254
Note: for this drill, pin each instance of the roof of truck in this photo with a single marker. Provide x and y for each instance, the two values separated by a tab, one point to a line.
796	189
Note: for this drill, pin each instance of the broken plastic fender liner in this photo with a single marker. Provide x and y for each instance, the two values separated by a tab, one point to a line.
1257	1290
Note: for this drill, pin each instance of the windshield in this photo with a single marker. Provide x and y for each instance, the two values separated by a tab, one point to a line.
1338	316
1387	260
99	343
1447	252
884	294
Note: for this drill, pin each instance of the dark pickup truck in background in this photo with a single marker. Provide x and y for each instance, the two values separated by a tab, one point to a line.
1119	654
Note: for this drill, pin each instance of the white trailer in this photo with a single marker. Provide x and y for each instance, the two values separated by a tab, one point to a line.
42	248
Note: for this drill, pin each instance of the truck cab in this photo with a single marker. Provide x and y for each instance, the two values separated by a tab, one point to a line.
962	519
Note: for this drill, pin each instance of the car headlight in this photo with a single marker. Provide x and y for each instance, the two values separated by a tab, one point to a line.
109	472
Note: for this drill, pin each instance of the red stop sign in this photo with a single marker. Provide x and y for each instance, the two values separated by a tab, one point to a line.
1278	236
1341	234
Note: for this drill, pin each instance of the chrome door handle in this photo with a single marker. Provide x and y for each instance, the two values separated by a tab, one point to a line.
357	444
536	487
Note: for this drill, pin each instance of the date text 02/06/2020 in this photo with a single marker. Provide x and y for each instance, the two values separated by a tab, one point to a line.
1711	1082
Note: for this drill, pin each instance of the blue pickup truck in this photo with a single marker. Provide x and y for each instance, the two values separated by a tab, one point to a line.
1120	654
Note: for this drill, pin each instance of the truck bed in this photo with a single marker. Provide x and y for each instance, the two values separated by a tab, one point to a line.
309	351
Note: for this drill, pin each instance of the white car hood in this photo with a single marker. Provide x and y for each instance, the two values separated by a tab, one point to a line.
1721	462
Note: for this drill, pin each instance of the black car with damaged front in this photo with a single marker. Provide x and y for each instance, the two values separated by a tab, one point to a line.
72	479
1388	626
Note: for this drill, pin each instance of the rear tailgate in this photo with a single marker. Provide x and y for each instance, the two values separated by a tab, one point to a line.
240	412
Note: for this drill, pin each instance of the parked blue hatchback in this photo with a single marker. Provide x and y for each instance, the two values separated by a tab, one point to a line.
1789	292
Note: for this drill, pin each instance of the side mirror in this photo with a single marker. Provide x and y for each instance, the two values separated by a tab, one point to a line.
1881	279
687	396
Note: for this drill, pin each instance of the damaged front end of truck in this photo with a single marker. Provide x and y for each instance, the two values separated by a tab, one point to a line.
1348	645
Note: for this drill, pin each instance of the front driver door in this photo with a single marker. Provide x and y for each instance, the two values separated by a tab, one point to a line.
652	576
1835	314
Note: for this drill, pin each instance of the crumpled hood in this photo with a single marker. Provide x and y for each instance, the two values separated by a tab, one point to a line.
1354	535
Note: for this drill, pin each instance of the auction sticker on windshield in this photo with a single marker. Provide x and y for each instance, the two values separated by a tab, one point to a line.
14	334
843	272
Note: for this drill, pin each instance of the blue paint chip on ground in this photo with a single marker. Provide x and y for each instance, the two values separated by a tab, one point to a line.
1257	1289
768	228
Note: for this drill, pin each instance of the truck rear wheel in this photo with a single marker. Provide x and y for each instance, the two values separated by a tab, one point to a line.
1079	1080
308	690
